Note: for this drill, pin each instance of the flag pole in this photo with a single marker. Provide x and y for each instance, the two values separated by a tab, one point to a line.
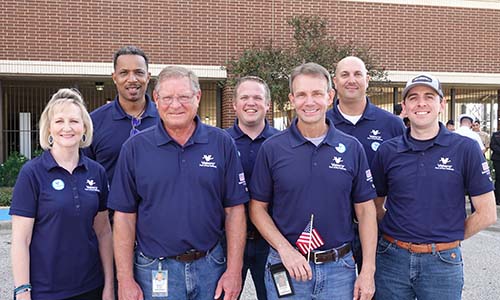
310	238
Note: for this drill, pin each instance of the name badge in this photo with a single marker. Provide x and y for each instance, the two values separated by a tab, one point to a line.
281	280
160	282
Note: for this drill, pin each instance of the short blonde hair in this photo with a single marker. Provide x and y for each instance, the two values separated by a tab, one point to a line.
64	96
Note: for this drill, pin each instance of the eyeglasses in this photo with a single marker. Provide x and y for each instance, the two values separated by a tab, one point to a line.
182	99
135	122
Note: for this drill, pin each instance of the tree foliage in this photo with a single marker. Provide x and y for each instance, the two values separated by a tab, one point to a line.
311	44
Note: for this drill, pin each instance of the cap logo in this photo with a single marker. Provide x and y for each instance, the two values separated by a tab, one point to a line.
422	78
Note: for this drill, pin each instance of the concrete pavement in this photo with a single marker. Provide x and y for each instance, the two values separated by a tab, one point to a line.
481	263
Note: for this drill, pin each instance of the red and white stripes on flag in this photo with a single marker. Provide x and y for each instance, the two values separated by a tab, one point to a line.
309	240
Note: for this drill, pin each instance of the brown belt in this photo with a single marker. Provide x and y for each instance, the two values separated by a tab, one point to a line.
189	256
253	235
319	257
422	248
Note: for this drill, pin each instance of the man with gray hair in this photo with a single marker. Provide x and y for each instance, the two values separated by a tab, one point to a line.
177	186
315	178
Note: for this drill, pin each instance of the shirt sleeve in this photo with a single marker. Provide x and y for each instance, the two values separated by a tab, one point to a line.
362	189
25	195
261	186
477	172
103	195
379	176
236	191
399	127
123	194
89	152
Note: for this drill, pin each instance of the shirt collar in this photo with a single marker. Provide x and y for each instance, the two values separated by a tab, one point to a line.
369	113
443	138
237	133
50	163
119	113
200	134
297	139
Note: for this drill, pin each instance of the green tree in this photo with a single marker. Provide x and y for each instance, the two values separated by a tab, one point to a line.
311	44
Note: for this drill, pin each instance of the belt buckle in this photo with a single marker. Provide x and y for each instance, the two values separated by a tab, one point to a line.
315	257
410	244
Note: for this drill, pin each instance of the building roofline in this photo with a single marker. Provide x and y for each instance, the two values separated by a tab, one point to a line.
92	69
478	4
489	79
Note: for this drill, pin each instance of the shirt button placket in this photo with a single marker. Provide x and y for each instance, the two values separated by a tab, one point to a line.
182	159
421	164
76	198
314	158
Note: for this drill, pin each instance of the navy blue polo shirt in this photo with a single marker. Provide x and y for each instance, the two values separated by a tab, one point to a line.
375	126
248	148
64	252
112	128
425	184
299	179
178	192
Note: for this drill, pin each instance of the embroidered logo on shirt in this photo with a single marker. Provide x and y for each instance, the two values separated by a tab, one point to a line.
486	168
444	163
90	186
337	163
241	177
340	148
375	134
369	177
58	184
206	161
375	146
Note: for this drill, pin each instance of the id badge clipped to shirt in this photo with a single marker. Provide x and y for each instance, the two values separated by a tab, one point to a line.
159	282
281	280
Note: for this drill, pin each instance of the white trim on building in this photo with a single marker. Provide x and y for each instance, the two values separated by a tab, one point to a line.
88	69
481	4
490	79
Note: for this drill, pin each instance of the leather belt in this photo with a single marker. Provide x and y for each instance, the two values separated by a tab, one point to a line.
253	235
189	256
422	248
323	256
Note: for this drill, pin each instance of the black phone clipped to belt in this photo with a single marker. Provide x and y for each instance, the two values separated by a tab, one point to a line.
281	280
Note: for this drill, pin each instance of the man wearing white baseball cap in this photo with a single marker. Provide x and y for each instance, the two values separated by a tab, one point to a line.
465	129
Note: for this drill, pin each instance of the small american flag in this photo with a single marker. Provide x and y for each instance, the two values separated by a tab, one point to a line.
309	239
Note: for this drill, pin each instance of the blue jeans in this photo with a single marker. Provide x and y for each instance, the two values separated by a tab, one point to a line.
404	275
331	281
255	258
196	280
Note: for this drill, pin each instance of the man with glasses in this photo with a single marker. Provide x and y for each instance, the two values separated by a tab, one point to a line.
178	186
251	102
130	112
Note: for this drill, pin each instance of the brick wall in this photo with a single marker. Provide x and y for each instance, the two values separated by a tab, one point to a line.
402	37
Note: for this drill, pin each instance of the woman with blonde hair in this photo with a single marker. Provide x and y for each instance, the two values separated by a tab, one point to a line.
61	237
